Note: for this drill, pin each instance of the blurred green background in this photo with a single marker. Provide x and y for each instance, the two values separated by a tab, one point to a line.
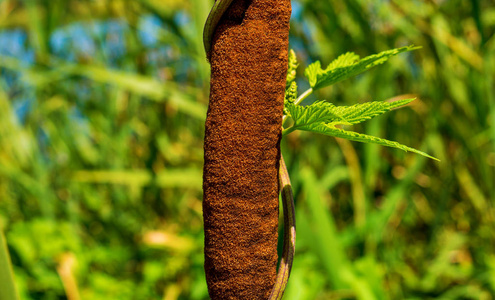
102	109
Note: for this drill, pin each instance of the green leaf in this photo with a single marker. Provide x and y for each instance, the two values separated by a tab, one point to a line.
305	117
7	284
322	117
346	66
361	112
359	137
326	112
344	60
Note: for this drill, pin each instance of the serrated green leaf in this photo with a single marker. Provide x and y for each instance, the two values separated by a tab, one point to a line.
325	112
347	65
310	115
361	112
364	138
344	60
322	117
312	71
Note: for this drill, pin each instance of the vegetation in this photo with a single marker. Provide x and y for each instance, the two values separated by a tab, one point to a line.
102	107
326	118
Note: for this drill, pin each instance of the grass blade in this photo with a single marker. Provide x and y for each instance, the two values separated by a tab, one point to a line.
7	286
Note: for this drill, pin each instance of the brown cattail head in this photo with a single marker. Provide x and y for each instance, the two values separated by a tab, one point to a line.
243	129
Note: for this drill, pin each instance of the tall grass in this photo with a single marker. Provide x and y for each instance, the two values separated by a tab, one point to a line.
101	129
7	285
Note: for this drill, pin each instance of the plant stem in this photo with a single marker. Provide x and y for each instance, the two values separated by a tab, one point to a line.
303	96
289	233
288	130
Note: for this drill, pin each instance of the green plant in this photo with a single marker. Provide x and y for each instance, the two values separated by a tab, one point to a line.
7	286
324	117
320	117
130	162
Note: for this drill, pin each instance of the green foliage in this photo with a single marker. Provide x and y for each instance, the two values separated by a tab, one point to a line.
113	163
305	117
319	112
323	117
100	178
331	130
347	65
7	286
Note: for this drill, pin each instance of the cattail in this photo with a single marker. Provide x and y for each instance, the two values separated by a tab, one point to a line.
243	130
